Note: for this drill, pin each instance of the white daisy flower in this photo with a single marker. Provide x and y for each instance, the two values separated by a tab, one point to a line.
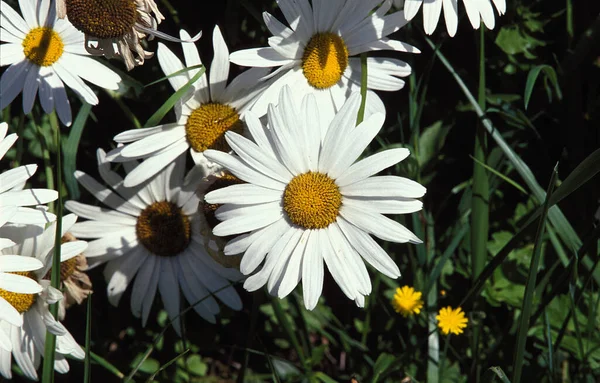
152	232
13	198
211	108
44	54
27	341
317	53
116	28
477	11
12	284
307	201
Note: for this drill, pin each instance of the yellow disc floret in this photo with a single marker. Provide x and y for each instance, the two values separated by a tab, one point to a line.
324	60
312	200
206	126
43	46
21	302
163	229
104	19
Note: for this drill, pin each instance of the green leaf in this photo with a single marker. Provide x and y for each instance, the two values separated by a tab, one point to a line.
495	374
549	73
430	142
324	378
147	365
383	362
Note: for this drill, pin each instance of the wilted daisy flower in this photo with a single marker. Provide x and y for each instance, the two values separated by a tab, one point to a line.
44	54
407	301
75	282
306	201
115	28
477	11
13	199
152	232
451	320
316	54
212	108
28	340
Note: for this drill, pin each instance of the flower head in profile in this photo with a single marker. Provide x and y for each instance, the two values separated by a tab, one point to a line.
451	320
45	54
116	28
211	108
477	11
153	232
317	52
14	199
407	301
306	203
27	330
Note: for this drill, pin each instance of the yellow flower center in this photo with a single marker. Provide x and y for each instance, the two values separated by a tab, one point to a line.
452	321
67	268
407	301
21	302
206	126
324	60
312	200
104	19
43	46
163	229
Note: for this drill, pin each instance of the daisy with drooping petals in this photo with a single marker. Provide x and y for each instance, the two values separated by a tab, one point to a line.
115	28
407	301
306	201
28	340
452	320
212	108
477	11
44	54
152	232
316	53
13	198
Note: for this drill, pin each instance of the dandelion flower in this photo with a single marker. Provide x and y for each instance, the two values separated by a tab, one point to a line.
116	28
44	54
477	10
33	242
407	301
317	53
204	115
13	198
153	232
451	320
306	202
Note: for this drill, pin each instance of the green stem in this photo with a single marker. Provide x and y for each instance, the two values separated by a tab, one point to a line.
363	88
480	198
433	344
369	308
20	130
50	344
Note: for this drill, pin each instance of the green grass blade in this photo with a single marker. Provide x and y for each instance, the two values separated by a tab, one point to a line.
363	88
87	367
70	147
497	173
50	344
282	319
437	270
164	366
106	365
168	105
519	354
557	218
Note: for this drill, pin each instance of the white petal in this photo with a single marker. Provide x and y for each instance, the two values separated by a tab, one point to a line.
372	165
12	263
243	194
384	186
219	68
378	225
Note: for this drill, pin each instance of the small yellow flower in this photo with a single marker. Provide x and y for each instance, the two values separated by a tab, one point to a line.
451	321
407	301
